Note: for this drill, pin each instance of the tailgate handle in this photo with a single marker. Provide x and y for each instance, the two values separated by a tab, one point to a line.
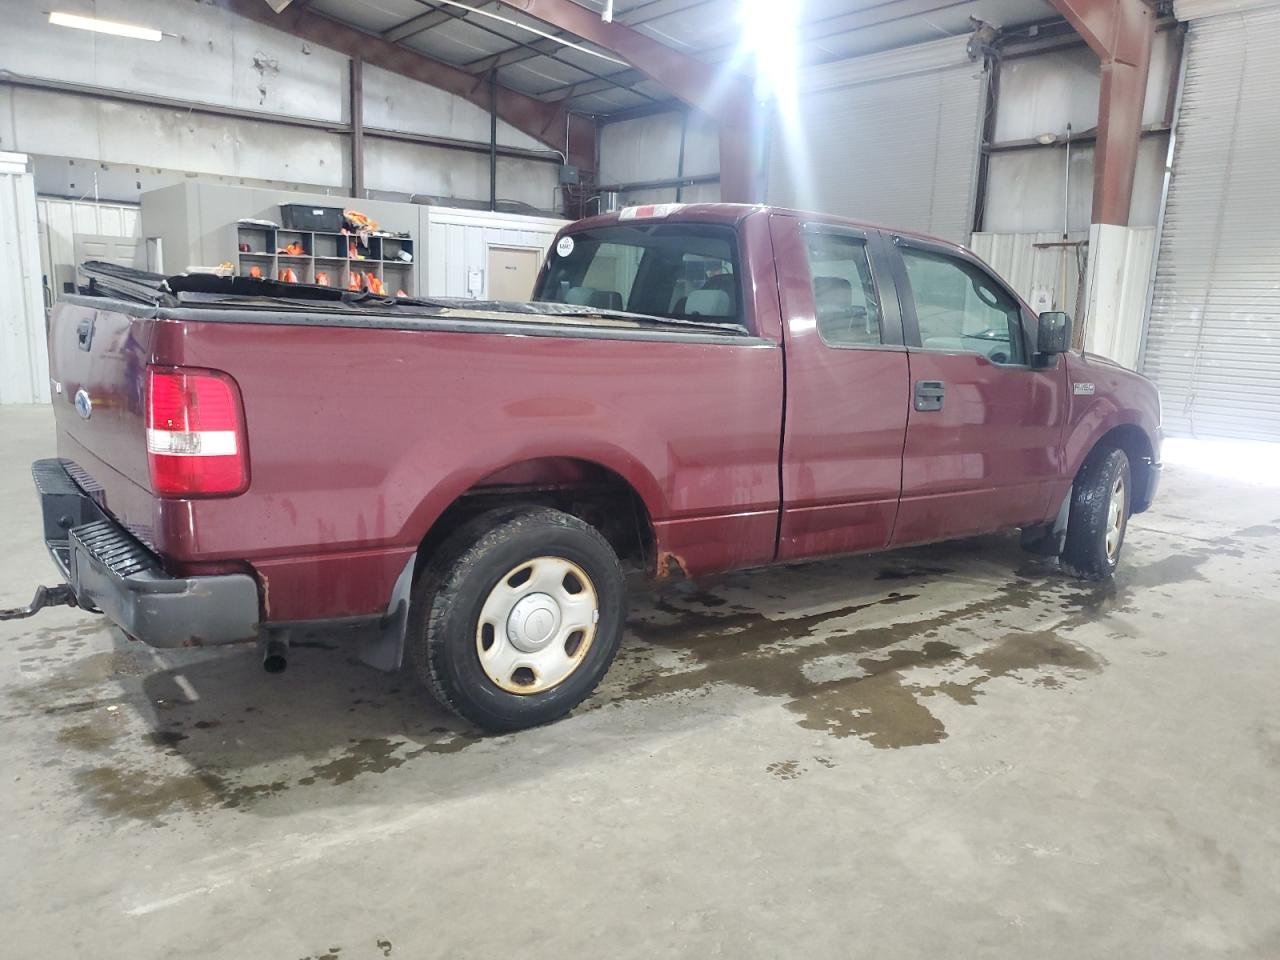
84	333
929	394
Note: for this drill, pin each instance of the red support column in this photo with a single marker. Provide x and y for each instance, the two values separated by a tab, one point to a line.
1120	33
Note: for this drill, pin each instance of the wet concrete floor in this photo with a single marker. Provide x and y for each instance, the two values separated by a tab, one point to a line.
952	751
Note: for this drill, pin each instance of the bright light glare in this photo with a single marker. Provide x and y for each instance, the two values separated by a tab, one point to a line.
770	42
769	38
1251	462
104	26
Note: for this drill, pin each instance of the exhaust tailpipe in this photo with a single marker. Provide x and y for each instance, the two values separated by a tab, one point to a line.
275	653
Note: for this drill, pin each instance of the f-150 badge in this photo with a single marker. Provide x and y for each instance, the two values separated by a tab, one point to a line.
1082	389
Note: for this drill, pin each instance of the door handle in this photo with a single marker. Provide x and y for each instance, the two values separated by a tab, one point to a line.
930	394
84	333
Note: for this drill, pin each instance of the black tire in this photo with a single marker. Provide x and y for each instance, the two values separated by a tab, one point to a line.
1086	555
448	600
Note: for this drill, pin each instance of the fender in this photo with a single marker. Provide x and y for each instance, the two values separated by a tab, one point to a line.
491	461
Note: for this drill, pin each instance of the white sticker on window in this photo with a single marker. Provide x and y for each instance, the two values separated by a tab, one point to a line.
565	246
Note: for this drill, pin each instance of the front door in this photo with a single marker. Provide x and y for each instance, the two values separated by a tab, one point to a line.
984	429
847	389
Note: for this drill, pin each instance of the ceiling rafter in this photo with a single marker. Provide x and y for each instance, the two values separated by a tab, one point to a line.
533	46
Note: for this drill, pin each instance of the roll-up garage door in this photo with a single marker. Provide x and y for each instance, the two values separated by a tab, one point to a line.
887	138
1213	342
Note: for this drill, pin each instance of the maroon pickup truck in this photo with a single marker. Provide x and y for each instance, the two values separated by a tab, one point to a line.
694	389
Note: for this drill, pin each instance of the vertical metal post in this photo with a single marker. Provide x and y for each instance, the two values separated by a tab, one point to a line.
356	97
684	135
493	141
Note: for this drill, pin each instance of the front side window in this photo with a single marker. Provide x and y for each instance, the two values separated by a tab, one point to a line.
844	293
686	271
960	309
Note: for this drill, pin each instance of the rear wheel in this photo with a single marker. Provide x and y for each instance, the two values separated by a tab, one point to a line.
1100	507
525	616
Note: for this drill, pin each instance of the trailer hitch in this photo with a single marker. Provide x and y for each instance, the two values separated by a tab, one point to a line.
59	596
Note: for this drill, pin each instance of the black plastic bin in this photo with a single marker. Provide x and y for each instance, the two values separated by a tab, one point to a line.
303	216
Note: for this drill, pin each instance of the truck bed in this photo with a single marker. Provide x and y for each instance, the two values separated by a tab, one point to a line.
366	418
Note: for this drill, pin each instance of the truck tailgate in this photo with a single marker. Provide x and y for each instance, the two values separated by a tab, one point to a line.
98	360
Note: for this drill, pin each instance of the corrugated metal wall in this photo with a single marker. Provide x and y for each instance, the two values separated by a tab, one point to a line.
1214	333
24	360
458	243
1037	261
891	138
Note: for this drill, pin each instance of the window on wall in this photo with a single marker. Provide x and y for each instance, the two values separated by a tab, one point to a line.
961	309
845	303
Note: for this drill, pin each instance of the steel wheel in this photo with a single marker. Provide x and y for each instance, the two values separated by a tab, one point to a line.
536	625
1116	506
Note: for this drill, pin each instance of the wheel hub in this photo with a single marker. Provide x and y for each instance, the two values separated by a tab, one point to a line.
534	622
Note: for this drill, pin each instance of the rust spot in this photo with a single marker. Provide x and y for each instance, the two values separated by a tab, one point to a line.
671	566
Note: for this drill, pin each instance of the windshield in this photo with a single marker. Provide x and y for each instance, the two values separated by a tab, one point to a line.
685	271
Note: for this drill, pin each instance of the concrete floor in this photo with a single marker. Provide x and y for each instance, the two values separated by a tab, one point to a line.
946	752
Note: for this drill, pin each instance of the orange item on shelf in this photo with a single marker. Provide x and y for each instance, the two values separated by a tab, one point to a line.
353	283
255	271
401	293
352	252
287	275
322	279
374	284
295	250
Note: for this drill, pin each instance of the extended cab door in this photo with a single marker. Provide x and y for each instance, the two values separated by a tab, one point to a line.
984	432
847	389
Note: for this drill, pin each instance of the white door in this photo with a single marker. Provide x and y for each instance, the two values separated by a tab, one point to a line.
512	272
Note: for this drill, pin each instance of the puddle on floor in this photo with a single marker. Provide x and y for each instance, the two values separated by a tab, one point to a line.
872	670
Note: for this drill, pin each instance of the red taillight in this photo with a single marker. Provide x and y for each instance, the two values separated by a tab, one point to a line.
195	433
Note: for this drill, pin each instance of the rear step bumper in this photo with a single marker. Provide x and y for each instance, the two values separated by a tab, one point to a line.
110	571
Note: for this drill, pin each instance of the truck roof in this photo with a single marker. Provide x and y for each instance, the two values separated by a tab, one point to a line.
733	214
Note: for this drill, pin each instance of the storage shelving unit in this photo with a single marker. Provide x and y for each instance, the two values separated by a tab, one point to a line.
326	253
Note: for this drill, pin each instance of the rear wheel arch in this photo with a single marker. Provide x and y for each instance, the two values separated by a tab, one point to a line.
584	488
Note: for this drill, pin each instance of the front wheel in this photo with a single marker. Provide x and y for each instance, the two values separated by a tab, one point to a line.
1100	503
525	618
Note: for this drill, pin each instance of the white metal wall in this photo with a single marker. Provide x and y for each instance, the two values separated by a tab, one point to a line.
62	220
1213	342
24	360
892	137
458	243
210	55
1031	262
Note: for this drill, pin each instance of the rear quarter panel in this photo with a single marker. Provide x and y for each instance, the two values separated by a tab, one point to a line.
360	438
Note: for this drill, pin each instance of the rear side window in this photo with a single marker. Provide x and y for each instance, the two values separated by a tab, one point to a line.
845	303
678	270
961	309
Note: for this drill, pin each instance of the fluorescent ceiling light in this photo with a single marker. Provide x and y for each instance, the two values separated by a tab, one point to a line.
104	26
542	33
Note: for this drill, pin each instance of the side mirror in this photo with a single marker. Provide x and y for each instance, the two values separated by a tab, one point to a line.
1053	333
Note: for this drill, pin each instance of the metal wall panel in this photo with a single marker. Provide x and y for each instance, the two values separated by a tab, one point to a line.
1213	342
892	139
1032	261
24	360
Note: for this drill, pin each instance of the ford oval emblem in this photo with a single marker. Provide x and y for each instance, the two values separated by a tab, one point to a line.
84	404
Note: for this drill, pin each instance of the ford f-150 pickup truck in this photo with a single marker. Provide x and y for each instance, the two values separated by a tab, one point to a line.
693	389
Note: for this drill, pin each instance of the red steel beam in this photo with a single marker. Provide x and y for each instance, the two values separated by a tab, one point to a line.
1120	33
548	122
719	92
